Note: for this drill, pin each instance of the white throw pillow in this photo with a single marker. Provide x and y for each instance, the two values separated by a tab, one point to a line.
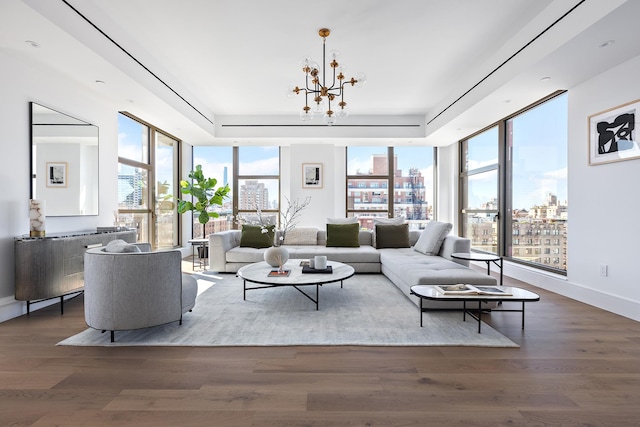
120	246
431	239
301	236
351	220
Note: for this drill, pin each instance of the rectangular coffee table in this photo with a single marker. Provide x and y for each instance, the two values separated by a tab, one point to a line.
516	295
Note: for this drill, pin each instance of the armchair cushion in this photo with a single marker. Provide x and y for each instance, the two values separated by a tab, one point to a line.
120	246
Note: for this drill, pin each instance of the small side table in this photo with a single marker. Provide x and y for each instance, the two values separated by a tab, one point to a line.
476	256
201	244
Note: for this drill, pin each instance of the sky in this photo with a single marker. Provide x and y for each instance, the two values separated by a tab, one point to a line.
253	161
539	140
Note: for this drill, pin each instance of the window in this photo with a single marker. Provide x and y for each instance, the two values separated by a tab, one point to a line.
409	174
252	173
147	181
518	166
479	185
537	140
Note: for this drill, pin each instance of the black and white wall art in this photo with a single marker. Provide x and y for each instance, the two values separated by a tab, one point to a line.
612	134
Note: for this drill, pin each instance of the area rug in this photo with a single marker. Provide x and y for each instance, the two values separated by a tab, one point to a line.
369	311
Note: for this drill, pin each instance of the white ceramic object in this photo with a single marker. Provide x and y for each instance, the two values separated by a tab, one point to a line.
320	262
276	256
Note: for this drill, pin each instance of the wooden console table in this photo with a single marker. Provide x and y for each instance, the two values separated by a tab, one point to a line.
53	266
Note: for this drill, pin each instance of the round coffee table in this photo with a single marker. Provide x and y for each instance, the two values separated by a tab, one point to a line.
258	273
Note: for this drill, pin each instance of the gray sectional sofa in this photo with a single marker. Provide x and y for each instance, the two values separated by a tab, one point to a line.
405	266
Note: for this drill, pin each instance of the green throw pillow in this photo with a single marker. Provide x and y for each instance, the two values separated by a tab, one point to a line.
392	236
343	235
254	237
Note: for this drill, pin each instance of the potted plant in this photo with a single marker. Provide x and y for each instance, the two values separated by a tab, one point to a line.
205	195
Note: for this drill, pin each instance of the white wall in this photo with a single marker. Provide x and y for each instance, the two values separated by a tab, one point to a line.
20	84
604	200
603	204
328	201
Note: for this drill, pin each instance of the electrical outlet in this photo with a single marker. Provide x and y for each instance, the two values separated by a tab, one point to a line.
604	270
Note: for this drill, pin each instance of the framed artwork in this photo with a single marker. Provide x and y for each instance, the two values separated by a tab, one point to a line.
56	174
312	175
612	134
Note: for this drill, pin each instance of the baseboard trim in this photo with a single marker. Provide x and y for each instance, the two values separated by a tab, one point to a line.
562	286
11	308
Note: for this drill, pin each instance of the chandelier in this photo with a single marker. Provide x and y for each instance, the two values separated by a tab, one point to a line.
326	92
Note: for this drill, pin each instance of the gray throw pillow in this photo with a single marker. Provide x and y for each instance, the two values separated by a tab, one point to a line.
392	236
431	239
120	246
391	221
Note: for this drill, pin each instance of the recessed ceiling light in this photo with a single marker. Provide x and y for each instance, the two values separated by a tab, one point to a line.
32	43
545	79
607	43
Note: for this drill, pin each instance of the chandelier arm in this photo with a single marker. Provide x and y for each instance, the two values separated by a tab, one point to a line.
333	83
324	62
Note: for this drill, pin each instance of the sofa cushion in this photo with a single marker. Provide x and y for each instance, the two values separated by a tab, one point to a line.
392	236
256	236
301	236
343	235
120	246
245	255
363	254
432	237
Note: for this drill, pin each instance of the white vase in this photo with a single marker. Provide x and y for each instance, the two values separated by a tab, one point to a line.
276	256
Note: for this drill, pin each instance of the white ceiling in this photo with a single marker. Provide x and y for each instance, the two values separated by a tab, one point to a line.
190	65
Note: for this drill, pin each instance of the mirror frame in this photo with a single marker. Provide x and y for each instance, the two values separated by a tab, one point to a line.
65	167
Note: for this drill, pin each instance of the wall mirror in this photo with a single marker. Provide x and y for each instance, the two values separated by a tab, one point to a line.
64	163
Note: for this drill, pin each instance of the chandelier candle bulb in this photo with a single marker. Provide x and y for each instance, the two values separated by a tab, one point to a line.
325	86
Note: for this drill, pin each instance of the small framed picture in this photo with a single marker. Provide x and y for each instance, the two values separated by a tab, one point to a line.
56	174
312	175
612	134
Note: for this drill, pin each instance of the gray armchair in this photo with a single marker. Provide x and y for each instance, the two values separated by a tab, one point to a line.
135	288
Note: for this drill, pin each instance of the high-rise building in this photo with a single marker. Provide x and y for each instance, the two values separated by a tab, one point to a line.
372	194
253	195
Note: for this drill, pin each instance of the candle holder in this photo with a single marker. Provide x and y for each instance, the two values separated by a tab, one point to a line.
36	218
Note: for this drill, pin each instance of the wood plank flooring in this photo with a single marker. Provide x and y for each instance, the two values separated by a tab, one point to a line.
577	366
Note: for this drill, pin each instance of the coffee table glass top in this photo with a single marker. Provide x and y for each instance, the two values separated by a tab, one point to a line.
259	273
475	256
517	294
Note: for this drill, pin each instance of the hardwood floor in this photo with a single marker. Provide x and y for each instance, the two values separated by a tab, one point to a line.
577	366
